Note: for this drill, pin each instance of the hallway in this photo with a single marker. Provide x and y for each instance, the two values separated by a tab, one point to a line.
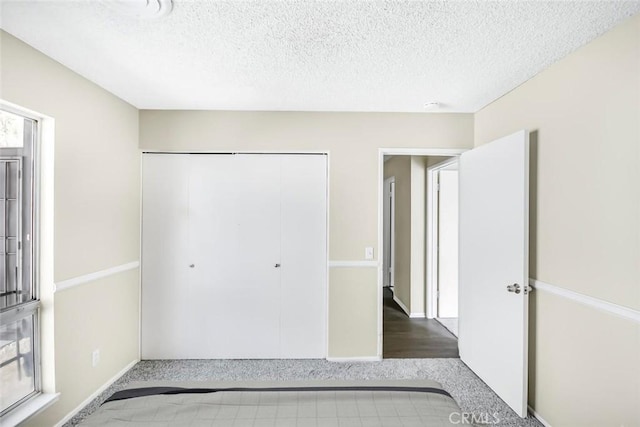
404	337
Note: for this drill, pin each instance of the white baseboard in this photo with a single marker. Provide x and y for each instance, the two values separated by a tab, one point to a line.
406	310
96	393
401	304
355	359
538	417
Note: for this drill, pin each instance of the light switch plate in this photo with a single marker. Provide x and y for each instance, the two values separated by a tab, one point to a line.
368	253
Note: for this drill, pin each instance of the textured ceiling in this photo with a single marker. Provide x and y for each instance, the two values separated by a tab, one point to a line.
312	55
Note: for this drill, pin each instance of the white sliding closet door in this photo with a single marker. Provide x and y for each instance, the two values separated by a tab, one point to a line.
165	285
234	256
304	254
234	240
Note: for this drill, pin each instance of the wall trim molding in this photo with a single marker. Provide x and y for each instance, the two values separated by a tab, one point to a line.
81	280
602	305
96	393
538	417
351	264
354	359
417	315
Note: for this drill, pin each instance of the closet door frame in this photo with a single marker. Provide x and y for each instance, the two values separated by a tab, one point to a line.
326	153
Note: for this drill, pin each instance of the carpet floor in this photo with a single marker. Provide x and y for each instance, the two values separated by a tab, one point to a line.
467	389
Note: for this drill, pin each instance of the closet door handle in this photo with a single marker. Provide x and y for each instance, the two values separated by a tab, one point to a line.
277	266
192	265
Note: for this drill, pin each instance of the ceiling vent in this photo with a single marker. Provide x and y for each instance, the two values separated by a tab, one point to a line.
141	9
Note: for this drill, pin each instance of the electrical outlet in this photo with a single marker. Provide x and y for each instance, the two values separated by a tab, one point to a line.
368	253
95	359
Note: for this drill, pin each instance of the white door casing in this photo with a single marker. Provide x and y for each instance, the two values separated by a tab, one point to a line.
432	221
493	254
448	243
389	230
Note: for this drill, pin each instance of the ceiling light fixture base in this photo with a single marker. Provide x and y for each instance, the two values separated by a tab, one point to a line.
141	9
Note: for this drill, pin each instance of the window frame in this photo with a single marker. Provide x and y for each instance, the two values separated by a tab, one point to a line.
33	306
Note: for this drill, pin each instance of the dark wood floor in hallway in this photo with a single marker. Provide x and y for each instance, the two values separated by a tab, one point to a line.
404	337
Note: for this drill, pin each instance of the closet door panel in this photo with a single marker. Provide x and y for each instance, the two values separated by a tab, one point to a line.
304	256
165	287
234	239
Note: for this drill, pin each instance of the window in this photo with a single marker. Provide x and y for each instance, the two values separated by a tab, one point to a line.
19	300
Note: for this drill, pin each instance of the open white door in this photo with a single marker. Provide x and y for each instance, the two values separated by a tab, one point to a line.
493	255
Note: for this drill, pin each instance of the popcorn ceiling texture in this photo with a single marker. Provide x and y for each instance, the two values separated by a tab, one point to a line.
312	56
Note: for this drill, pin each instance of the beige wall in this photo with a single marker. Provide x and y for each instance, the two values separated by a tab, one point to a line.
354	326
353	140
96	223
584	115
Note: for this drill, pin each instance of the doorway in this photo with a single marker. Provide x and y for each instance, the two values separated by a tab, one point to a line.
492	258
406	330
442	243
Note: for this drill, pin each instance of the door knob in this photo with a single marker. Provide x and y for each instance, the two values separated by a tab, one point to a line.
191	265
277	266
514	288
